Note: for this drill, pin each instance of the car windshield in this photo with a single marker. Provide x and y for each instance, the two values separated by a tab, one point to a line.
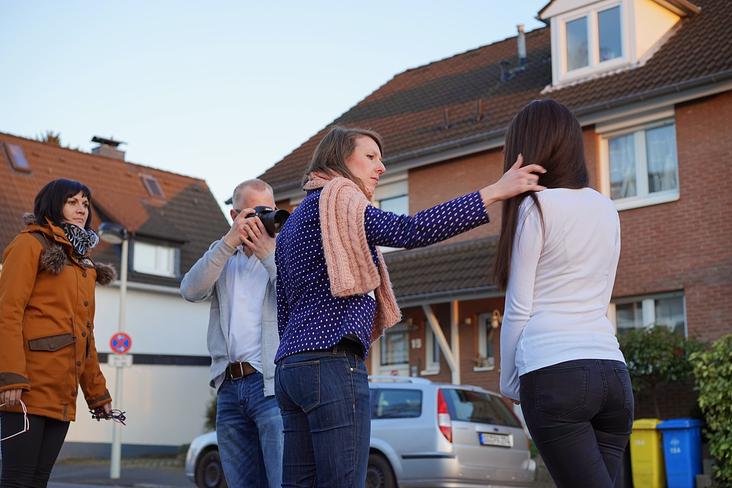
476	406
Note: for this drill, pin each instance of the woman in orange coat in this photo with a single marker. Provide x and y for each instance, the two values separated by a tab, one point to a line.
47	345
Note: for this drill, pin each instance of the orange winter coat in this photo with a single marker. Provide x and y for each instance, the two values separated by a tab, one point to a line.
47	323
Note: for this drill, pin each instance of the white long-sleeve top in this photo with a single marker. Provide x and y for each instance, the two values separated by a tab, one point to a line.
560	284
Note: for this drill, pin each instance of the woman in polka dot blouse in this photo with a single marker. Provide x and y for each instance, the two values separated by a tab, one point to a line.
334	298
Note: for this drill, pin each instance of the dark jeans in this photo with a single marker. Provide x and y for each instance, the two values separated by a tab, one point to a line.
29	457
249	430
580	415
324	397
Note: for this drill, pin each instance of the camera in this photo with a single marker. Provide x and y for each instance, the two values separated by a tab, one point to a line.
272	219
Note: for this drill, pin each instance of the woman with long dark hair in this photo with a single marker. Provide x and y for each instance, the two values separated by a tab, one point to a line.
47	347
334	299
556	259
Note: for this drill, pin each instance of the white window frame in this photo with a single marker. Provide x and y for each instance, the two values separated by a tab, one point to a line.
594	65
402	369
486	331
638	126
389	190
648	304
431	367
172	252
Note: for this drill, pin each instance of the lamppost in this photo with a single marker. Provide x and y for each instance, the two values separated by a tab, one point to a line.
117	234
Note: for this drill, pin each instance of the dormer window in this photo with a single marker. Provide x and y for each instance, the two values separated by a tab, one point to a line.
590	40
609	34
155	259
590	37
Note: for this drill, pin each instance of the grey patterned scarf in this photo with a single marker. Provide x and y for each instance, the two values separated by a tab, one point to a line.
83	240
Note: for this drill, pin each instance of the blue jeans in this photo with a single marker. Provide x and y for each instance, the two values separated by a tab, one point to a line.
580	415
324	397
249	433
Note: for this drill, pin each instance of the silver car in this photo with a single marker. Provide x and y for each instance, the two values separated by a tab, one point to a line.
203	464
422	434
440	435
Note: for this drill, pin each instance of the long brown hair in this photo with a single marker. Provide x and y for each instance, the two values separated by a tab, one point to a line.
545	132
337	146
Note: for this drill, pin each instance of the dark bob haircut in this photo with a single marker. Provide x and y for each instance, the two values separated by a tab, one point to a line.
50	201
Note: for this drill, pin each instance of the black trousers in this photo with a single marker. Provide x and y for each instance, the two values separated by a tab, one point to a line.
29	457
580	414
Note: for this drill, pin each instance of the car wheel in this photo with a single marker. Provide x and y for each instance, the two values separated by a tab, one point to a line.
379	473
209	471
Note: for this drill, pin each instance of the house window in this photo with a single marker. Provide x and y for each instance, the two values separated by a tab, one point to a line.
398	205
577	44
393	197
637	313
155	259
395	346
609	34
488	324
642	166
152	186
590	40
431	352
17	158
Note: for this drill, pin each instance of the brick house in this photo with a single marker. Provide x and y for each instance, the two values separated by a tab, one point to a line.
651	83
171	220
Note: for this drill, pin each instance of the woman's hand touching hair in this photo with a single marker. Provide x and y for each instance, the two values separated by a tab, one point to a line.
515	181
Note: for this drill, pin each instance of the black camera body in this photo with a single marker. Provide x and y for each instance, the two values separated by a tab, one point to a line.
272	219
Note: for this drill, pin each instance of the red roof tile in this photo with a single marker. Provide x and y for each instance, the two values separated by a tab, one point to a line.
411	110
118	194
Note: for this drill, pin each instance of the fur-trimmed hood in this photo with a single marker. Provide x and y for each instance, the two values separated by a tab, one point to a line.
30	219
54	258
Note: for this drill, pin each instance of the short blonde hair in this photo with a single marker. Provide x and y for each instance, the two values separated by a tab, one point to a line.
243	189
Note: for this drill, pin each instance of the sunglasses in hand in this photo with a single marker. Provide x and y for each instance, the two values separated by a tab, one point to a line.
116	415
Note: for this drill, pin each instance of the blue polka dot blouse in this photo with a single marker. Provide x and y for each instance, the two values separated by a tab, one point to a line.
309	317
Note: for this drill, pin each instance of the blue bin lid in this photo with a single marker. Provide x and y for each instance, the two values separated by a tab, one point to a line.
679	424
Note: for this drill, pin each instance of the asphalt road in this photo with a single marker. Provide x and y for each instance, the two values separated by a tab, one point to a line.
144	474
156	473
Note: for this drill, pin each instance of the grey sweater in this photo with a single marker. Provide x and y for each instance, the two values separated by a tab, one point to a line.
207	279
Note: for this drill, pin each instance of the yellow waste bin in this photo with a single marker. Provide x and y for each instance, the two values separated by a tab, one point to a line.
646	454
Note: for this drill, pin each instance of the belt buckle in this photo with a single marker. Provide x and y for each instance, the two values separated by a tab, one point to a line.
239	374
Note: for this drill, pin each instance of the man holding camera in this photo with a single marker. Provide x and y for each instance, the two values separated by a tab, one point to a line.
238	273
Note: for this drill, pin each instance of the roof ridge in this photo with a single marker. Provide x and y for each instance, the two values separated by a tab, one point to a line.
93	155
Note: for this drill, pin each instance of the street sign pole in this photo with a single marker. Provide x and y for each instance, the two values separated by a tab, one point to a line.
116	458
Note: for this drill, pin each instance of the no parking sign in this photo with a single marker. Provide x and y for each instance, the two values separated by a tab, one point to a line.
120	343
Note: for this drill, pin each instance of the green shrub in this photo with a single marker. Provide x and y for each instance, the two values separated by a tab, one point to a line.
210	423
713	372
656	354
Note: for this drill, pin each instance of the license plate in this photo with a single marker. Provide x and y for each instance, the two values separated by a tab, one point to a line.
501	440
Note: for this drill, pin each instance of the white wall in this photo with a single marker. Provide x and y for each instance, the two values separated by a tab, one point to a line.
164	405
158	323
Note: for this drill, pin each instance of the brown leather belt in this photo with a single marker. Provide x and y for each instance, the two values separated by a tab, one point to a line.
240	370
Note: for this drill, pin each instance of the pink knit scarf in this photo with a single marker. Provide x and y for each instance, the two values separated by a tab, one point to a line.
351	268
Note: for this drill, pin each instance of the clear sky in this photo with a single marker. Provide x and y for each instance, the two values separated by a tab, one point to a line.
220	90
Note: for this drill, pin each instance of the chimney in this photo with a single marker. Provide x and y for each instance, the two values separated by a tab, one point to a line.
521	45
108	147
